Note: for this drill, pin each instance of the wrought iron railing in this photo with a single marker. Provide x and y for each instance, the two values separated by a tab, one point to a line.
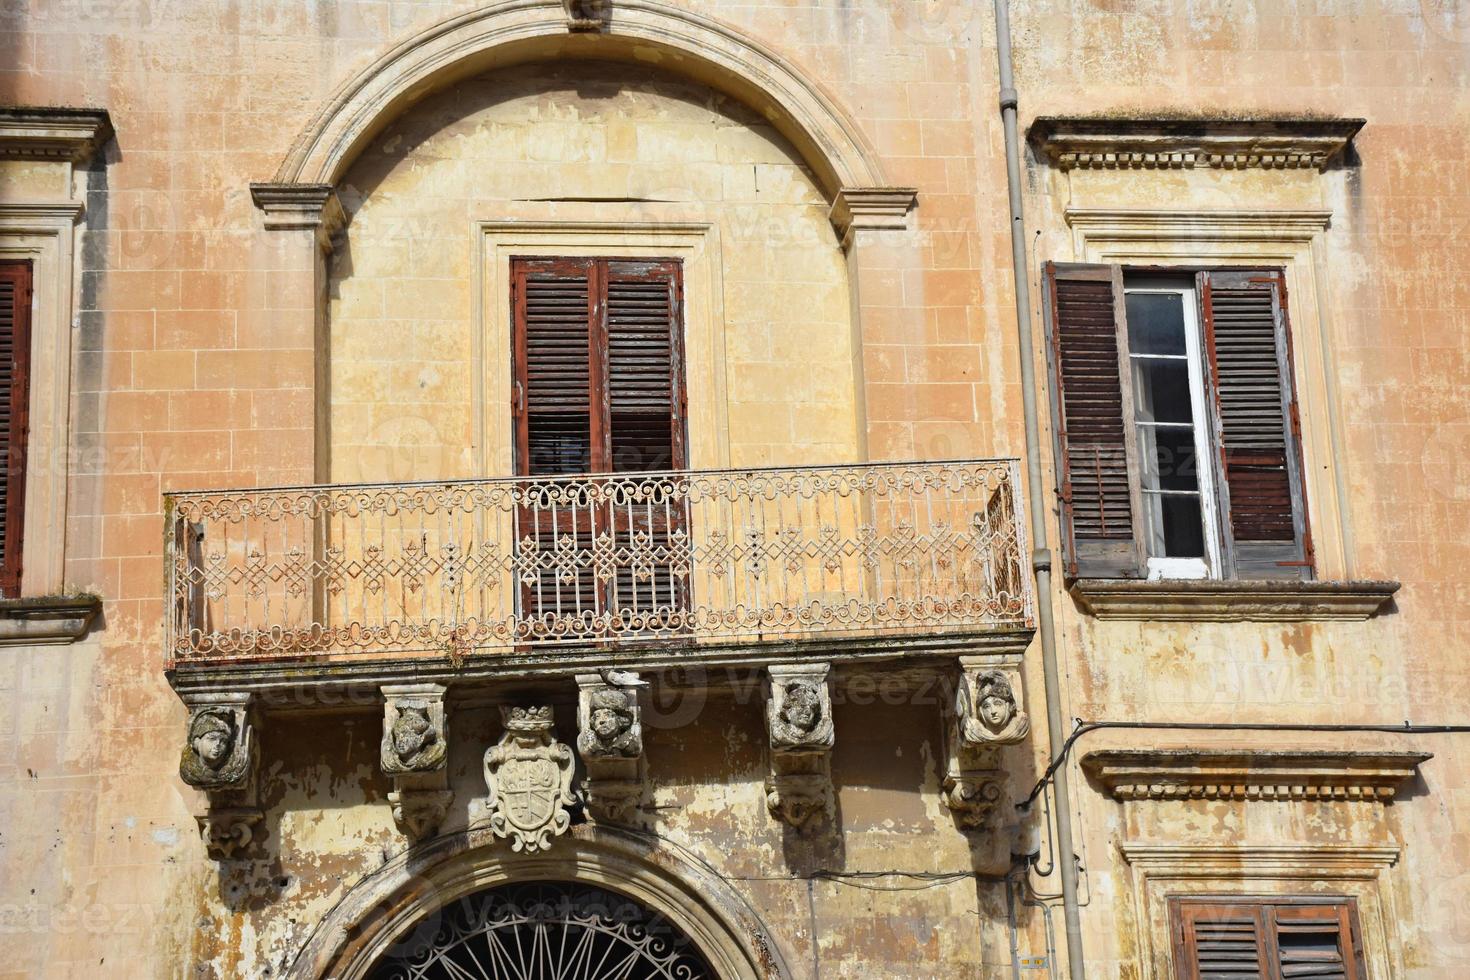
490	566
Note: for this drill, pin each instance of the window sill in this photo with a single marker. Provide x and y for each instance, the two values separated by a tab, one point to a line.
46	620
1232	602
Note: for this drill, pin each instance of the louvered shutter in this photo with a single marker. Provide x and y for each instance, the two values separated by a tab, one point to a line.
1219	941
1257	431
555	317
645	392
15	348
1092	419
599	389
1315	941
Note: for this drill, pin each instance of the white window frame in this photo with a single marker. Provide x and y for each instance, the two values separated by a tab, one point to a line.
1161	567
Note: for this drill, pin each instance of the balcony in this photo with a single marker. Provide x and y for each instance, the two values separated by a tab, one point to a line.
485	577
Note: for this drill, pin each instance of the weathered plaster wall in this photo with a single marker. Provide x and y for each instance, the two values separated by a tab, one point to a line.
769	344
180	382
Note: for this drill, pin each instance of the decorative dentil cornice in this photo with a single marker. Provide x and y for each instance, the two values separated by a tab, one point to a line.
1093	143
52	133
1190	774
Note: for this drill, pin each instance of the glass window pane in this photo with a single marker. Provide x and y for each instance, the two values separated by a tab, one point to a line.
1155	323
1161	391
1168	459
1183	525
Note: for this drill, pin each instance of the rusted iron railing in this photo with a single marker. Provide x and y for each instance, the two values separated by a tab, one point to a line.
487	566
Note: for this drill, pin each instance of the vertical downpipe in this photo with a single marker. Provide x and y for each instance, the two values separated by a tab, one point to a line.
1041	557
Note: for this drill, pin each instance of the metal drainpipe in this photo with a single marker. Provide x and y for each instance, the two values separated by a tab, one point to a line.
1041	557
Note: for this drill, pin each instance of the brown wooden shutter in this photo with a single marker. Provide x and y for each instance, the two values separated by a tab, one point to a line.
599	388
15	351
645	388
555	315
1092	417
1257	429
1316	941
1282	939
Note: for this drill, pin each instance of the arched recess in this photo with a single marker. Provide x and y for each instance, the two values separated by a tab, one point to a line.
389	903
640	31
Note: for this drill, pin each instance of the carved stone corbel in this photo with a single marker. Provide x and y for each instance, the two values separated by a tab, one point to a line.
219	758
587	15
610	742
987	715
414	752
799	722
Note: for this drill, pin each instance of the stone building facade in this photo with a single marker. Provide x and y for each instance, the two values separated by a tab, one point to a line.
347	632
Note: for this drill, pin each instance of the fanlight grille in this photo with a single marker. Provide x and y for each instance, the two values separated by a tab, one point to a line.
544	931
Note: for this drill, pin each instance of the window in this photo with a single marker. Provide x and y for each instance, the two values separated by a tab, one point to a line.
1177	433
15	348
1273	939
599	389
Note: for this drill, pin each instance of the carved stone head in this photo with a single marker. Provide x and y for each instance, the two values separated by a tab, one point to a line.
997	705
212	737
989	711
412	731
610	715
802	708
217	751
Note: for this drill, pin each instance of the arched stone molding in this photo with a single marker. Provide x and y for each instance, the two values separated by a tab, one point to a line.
639	31
384	906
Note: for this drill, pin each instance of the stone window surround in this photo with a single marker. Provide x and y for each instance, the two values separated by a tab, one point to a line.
1163	870
1293	240
697	242
44	230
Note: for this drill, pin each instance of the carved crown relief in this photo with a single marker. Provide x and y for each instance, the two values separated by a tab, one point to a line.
529	777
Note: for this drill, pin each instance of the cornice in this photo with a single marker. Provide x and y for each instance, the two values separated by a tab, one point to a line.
872	208
1094	143
1208	600
46	620
46	133
1189	774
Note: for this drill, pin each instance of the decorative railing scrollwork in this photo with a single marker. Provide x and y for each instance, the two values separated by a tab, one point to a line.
481	566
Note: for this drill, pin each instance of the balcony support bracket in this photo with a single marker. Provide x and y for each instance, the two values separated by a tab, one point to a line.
219	758
414	751
987	715
799	722
610	742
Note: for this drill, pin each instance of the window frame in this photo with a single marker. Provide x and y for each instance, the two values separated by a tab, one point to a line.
1201	428
22	272
1221	563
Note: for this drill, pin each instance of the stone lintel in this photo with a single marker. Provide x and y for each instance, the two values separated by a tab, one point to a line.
1243	774
1204	600
872	208
1097	143
59	133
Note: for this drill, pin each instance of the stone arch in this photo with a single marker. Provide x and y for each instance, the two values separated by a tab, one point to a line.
638	31
385	905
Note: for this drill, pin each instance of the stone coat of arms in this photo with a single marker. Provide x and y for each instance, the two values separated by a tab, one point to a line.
529	776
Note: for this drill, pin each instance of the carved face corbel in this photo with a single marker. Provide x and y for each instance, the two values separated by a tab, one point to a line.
219	758
414	749
988	708
610	742
801	731
987	715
